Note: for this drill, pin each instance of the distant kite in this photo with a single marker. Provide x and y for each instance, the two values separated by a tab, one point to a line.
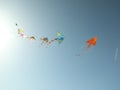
44	40
20	31
32	38
92	42
60	38
16	24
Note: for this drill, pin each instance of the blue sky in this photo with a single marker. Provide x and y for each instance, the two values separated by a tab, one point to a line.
28	67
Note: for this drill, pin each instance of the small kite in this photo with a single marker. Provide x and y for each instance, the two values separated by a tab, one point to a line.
20	31
16	24
44	40
32	38
60	38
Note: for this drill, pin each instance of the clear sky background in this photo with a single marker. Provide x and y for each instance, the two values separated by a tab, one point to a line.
26	66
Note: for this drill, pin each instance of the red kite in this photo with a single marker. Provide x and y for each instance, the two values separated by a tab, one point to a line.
92	41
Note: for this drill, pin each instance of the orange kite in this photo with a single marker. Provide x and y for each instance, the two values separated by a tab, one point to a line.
91	41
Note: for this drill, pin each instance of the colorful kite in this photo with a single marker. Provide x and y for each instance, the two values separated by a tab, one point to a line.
20	31
60	38
44	39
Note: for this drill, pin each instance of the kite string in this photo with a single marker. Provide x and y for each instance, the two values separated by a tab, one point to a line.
51	41
84	51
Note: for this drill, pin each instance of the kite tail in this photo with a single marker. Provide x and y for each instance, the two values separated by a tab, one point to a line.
50	42
88	46
85	50
24	36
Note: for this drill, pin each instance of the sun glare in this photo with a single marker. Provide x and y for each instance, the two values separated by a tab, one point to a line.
5	34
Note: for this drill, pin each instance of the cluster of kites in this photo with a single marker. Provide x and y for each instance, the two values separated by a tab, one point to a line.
59	38
44	40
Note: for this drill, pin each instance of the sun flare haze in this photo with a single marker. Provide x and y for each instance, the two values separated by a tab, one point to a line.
5	33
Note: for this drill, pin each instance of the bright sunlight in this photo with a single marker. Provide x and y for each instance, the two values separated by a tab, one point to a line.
5	34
